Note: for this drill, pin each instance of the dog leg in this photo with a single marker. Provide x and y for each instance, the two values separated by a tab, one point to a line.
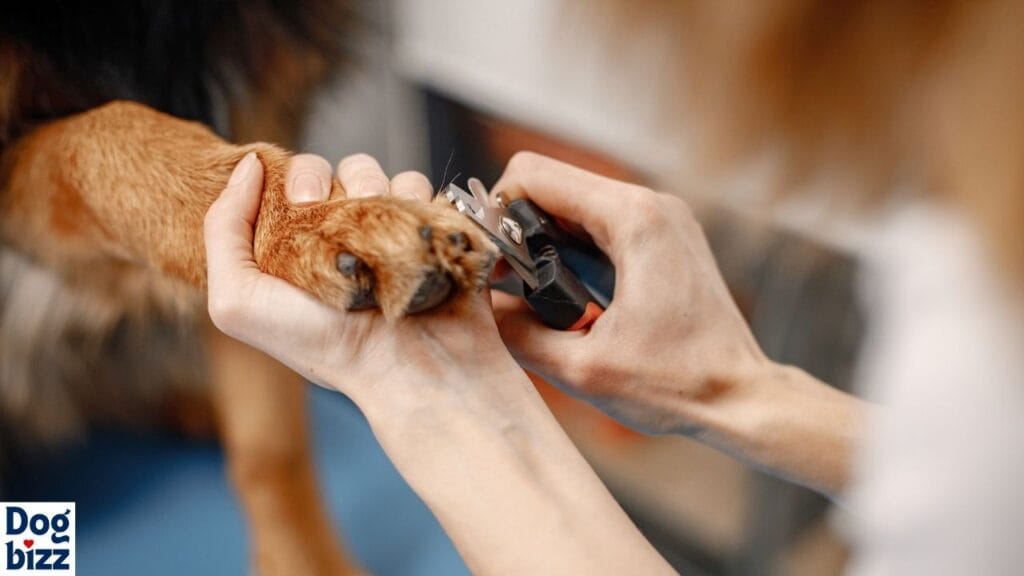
122	191
261	407
123	184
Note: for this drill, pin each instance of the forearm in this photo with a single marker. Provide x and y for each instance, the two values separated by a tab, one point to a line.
507	484
784	420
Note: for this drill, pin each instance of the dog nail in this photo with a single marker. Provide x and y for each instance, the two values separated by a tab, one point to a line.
348	264
426	232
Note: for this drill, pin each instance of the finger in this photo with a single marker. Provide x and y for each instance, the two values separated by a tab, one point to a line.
309	179
228	233
412	186
504	304
361	177
533	344
500	272
567	192
228	228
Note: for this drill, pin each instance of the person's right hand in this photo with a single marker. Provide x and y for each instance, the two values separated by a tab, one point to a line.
672	340
672	354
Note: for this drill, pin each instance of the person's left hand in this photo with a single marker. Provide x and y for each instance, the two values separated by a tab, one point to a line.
355	352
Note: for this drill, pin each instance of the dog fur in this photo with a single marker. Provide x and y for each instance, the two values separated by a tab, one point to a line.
108	166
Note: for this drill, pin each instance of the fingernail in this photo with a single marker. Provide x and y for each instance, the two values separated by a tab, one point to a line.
307	188
243	169
371	186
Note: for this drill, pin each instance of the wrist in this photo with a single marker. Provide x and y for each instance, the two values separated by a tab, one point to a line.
492	463
408	396
782	419
411	405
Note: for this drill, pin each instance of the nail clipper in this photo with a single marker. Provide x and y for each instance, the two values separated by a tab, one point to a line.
566	281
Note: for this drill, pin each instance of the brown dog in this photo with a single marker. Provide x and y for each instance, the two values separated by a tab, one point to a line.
102	264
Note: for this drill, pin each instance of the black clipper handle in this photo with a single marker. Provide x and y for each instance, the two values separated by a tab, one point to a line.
576	281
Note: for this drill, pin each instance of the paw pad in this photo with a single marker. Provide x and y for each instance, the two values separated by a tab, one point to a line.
435	289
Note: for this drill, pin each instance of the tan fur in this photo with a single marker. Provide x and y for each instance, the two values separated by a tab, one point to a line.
169	171
100	257
102	216
262	409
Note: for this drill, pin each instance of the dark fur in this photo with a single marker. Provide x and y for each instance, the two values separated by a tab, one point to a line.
67	358
178	56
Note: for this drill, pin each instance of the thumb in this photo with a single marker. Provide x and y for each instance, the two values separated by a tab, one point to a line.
228	228
537	347
566	192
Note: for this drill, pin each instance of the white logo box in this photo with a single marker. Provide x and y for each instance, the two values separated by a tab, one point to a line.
37	538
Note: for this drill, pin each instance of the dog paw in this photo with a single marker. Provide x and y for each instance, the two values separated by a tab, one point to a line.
399	255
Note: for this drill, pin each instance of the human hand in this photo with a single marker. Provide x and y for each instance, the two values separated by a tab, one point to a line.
672	339
358	353
450	406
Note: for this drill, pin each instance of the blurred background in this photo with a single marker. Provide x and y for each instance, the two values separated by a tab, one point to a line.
454	88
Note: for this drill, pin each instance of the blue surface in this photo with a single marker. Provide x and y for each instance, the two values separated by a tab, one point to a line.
153	505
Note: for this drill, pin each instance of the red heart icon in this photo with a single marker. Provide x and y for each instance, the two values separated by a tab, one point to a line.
29	543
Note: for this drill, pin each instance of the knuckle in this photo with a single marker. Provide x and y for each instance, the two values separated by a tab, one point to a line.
676	205
681	214
645	208
645	203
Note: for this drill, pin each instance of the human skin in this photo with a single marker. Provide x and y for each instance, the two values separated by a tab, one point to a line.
450	406
460	419
672	353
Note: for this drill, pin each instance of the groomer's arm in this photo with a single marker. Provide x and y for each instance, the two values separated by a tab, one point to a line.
453	410
672	354
509	488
